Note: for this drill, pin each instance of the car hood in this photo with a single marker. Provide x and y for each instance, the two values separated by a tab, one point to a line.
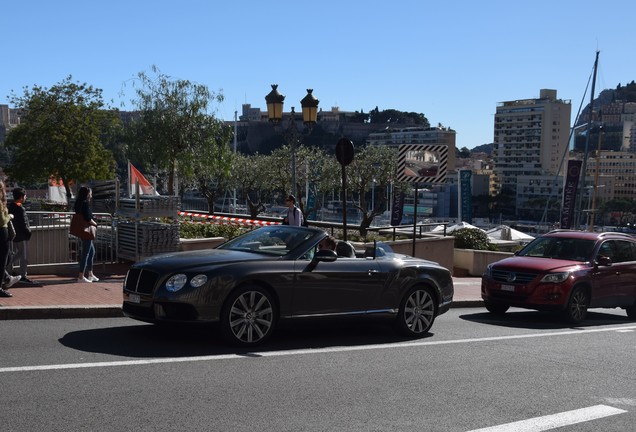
184	260
534	264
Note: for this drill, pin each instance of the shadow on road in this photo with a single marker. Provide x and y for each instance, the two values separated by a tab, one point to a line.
527	319
153	341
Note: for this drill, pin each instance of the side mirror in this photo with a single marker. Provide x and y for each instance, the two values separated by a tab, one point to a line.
325	255
603	260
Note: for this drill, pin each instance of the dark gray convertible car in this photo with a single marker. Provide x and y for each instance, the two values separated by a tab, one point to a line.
278	273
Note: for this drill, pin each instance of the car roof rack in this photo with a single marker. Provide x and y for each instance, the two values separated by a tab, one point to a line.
616	233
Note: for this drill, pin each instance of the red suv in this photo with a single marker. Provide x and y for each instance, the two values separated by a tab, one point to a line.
568	272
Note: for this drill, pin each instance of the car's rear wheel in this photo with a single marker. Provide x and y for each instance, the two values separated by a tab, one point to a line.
496	308
248	317
576	309
631	312
417	312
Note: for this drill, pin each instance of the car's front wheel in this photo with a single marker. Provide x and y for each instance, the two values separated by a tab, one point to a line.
576	309
496	308
631	312
417	312
248	317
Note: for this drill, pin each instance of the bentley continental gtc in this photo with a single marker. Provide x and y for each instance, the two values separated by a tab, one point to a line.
252	282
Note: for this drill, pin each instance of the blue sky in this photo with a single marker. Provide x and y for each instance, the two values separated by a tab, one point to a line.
451	60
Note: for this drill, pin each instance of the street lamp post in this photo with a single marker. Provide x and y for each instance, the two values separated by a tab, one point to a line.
309	104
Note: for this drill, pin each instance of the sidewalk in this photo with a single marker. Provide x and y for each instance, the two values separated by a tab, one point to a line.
61	296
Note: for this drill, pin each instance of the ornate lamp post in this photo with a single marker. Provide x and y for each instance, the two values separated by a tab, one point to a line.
309	105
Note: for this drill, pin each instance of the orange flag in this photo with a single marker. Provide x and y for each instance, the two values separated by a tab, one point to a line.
134	176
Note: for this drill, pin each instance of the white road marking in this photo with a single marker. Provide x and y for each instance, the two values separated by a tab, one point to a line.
419	343
554	421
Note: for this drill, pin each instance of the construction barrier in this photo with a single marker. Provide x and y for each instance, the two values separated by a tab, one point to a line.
229	220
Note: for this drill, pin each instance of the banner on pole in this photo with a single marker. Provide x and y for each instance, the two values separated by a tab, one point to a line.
398	208
569	193
466	202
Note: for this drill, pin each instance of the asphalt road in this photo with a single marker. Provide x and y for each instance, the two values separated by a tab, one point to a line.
475	371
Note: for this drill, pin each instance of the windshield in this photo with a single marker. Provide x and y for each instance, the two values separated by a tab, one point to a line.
277	241
560	248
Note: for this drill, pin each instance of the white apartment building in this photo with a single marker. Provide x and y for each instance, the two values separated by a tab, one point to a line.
530	139
628	119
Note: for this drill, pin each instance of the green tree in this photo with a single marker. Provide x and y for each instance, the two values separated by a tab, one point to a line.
395	117
319	174
463	153
171	127
60	135
372	167
622	208
250	175
209	160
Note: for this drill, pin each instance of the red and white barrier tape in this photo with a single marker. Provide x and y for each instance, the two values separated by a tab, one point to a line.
229	220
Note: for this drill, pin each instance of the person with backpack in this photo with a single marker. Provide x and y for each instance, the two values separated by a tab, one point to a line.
294	214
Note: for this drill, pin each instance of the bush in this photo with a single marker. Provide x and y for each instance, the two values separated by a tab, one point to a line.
190	230
472	238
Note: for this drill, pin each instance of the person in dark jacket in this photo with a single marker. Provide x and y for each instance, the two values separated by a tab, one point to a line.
6	280
82	207
22	234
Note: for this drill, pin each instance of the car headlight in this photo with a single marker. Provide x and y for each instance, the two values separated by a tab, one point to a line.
176	282
488	272
555	277
198	280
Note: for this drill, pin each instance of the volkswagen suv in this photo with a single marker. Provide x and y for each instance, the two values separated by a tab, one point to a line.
567	272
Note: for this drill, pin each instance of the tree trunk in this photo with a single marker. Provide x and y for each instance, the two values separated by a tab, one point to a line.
67	189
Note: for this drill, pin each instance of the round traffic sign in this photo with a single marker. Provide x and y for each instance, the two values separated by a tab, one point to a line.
344	151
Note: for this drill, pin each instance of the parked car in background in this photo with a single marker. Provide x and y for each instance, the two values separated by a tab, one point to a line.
567	272
278	273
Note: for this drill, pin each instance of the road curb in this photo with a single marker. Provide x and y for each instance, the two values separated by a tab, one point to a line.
113	311
467	304
60	312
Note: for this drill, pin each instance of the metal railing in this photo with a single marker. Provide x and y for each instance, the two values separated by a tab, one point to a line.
52	245
409	231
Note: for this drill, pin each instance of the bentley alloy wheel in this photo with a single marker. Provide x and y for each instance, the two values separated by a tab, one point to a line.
248	317
417	312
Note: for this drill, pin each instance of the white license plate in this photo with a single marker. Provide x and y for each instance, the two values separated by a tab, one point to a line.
134	298
508	288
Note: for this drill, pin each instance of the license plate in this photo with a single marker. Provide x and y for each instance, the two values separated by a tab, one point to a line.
134	298
508	288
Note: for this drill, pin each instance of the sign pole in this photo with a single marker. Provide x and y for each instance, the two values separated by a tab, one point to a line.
414	219
344	155
344	203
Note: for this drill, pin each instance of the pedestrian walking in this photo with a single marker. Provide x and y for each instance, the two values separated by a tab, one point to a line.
294	214
22	235
5	220
82	206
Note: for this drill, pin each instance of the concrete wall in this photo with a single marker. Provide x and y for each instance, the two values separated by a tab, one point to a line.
438	249
476	261
200	243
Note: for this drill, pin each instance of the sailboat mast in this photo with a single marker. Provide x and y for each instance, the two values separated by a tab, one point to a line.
587	144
